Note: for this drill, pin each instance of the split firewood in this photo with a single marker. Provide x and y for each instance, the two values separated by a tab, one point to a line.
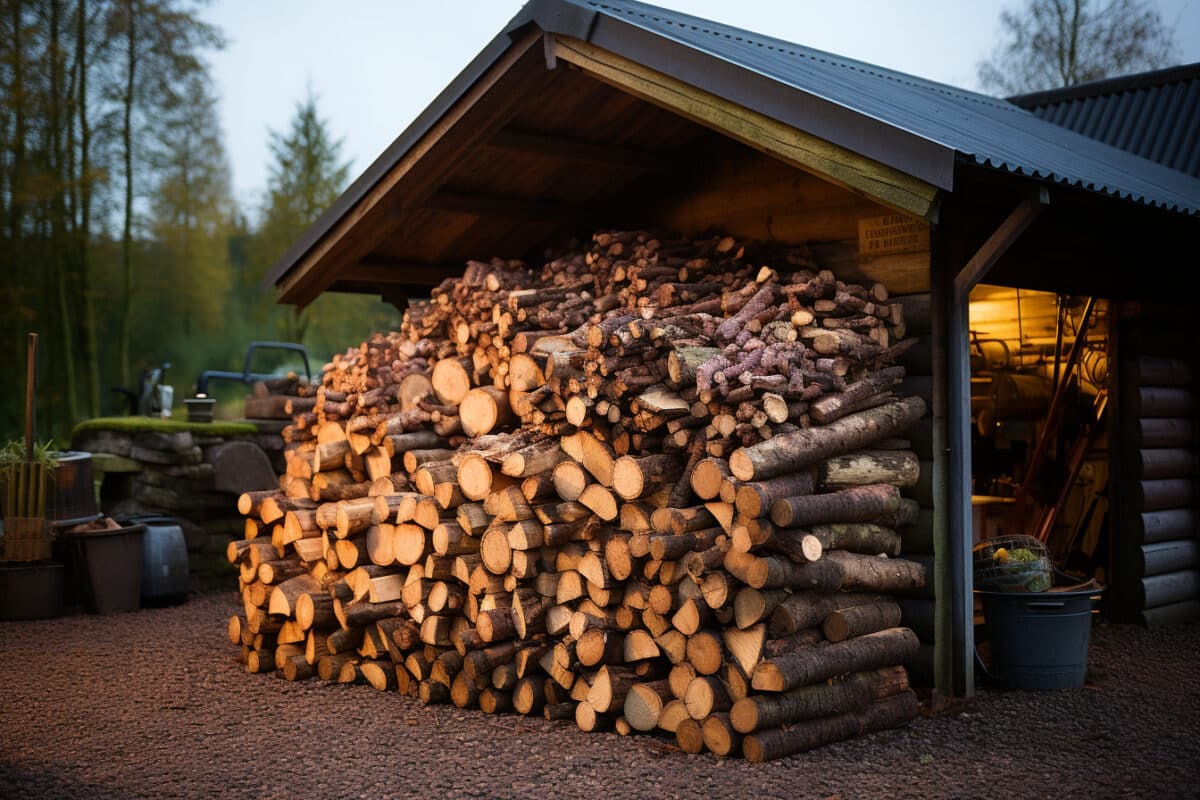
622	489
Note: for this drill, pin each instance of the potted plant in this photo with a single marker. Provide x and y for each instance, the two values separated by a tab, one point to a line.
26	474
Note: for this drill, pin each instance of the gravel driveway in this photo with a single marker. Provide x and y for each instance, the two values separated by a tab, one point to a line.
154	704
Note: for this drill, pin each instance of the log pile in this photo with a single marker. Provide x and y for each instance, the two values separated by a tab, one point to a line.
649	488
271	405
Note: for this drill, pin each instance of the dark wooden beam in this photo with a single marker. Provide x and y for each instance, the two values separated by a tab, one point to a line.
507	207
958	561
546	145
374	269
389	292
998	244
364	218
396	297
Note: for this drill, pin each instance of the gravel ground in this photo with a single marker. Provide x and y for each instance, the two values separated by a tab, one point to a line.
154	704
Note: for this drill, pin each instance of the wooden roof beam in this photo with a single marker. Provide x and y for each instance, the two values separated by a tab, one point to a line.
382	270
548	145
487	106
508	207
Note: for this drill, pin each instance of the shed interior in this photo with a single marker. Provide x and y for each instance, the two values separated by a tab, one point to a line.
1089	447
543	155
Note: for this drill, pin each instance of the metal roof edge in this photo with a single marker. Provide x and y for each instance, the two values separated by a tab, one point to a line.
822	117
1107	86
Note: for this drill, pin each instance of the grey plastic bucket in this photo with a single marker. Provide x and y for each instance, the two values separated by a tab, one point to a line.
165	578
1039	640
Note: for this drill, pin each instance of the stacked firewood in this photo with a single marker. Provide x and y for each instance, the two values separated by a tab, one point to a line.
652	487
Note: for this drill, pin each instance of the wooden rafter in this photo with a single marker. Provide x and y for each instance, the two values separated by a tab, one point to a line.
508	207
546	145
838	164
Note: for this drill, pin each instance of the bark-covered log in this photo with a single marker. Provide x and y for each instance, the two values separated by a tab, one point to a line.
839	696
830	407
807	609
719	737
635	477
792	452
803	667
755	498
776	743
858	537
845	623
644	704
857	504
900	468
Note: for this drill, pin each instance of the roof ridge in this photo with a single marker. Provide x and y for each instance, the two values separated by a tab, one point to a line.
914	81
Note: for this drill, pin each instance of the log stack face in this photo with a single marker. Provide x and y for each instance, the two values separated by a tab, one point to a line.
649	487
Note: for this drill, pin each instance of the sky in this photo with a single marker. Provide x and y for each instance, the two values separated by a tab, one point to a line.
374	65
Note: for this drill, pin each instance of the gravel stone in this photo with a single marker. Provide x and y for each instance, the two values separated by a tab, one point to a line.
154	704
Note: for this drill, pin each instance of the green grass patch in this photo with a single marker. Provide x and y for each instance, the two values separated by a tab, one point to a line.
159	425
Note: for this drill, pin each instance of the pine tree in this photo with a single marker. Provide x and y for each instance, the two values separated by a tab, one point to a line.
305	178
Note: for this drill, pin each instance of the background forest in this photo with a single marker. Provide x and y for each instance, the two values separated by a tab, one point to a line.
120	241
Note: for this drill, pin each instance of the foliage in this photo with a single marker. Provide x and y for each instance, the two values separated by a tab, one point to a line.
1012	563
305	178
1054	43
12	453
120	243
83	86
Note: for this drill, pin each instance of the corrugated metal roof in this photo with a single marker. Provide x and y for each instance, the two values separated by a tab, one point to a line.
1155	115
989	131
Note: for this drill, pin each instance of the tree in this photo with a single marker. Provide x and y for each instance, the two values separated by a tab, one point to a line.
1055	43
192	211
306	175
161	46
83	85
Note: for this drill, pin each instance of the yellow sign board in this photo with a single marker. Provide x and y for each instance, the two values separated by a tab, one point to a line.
892	233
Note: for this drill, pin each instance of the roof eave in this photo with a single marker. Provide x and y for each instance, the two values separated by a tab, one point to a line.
487	57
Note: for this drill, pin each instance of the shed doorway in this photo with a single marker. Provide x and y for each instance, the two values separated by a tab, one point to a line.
1084	437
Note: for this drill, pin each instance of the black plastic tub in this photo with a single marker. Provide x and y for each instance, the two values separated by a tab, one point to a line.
1038	640
30	589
